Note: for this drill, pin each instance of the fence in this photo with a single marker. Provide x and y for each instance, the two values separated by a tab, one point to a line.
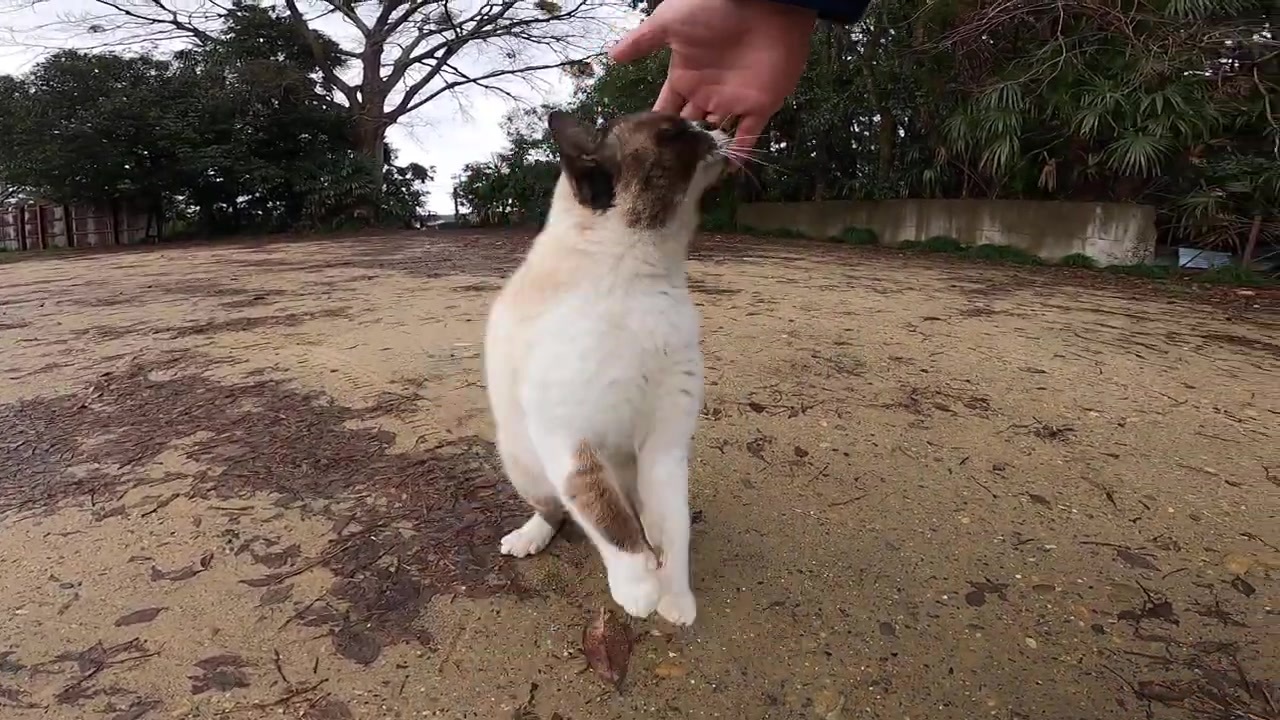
41	225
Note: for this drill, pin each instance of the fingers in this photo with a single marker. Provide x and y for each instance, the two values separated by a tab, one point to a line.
693	112
644	40
748	132
669	101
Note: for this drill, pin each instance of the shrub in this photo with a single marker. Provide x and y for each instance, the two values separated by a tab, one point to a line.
1078	260
1003	253
942	244
858	236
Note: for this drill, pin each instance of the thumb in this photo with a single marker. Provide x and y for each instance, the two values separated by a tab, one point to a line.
646	39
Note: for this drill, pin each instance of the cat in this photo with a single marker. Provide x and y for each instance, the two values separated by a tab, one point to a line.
592	361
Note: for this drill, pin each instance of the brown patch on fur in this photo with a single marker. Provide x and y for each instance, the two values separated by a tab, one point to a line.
646	160
659	156
600	502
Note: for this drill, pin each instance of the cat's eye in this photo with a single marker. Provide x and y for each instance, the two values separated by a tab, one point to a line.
674	131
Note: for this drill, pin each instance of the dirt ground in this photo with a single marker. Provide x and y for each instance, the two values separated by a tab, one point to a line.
257	481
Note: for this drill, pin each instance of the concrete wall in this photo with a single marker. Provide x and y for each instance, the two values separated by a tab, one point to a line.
1110	233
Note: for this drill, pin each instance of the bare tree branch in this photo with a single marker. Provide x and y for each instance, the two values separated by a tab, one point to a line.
385	60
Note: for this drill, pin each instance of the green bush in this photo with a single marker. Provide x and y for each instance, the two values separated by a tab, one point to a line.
858	236
1003	253
942	244
1078	260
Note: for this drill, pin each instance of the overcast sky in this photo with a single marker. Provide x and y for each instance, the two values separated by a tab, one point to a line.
446	133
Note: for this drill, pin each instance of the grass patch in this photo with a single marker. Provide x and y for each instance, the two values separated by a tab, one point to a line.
858	236
1078	260
1233	275
1142	270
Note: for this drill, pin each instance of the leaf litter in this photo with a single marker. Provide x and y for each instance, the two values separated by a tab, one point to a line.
408	525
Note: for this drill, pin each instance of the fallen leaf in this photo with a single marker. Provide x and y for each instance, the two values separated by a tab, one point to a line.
828	703
260	581
137	709
213	662
328	709
1134	560
1242	586
1152	690
137	617
223	680
356	645
185	573
607	644
275	595
670	668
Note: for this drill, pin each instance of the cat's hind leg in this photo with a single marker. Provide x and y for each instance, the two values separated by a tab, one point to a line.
525	472
663	484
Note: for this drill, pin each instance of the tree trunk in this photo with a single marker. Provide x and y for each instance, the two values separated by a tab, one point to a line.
888	137
370	138
1255	230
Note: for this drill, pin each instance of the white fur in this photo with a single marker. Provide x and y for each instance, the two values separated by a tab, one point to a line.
595	338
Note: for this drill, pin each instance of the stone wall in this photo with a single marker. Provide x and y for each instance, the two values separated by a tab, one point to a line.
1110	233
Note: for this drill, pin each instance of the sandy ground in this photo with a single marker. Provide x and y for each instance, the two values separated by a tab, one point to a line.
256	481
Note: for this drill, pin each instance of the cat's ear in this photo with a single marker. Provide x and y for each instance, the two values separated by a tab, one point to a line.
580	157
575	142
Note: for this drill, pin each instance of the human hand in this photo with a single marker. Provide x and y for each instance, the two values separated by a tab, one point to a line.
730	59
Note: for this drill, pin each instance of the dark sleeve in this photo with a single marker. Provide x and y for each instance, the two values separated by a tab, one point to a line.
836	11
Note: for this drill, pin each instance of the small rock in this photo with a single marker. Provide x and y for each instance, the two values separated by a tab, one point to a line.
1031	643
1237	564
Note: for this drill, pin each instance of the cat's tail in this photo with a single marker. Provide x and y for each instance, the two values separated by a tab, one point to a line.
597	497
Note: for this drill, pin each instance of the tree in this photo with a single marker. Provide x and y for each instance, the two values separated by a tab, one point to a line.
230	136
1173	103
390	58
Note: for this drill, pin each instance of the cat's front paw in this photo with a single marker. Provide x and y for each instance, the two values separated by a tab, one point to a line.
530	539
678	608
635	587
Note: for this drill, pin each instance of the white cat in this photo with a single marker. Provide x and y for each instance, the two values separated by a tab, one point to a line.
591	353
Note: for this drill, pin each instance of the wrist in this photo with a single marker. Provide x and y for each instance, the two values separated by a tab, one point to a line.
787	10
838	11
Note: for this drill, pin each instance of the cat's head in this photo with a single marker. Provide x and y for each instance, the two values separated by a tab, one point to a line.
645	166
